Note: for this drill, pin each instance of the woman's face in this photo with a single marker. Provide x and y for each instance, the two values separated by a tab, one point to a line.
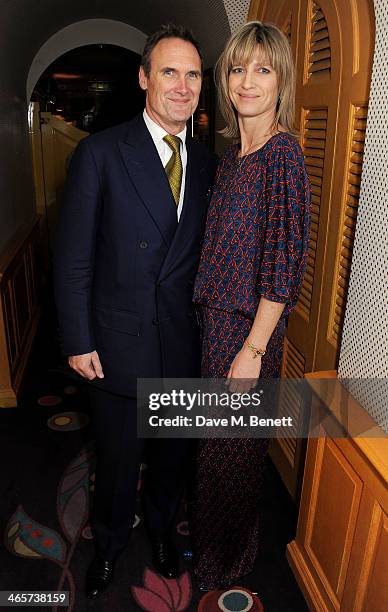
253	88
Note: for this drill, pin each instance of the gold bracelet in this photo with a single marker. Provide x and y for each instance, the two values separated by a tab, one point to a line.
255	351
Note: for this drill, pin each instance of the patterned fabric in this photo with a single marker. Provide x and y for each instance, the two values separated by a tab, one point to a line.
255	244
225	511
174	166
257	230
223	335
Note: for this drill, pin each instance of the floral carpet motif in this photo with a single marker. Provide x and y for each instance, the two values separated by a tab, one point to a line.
161	595
27	537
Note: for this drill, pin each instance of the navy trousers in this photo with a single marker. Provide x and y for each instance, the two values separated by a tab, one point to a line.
119	455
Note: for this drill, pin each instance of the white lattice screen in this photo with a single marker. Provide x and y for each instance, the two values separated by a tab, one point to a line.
364	349
237	11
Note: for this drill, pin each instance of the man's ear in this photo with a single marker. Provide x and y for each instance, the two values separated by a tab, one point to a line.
143	81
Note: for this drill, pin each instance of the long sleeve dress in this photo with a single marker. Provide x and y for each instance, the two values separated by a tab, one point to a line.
255	244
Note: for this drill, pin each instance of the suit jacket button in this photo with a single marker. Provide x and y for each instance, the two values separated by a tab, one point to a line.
143	244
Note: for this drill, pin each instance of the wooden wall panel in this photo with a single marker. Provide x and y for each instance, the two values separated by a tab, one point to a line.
340	552
329	534
20	290
375	594
372	588
319	64
19	309
314	129
348	222
332	43
318	87
58	143
52	141
9	326
355	47
287	26
287	453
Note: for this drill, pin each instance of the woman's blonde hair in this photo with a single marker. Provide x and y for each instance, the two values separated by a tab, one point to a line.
239	51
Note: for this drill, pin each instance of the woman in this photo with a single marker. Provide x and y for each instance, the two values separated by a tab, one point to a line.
250	274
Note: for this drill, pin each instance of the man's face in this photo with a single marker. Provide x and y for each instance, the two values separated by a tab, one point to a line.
174	83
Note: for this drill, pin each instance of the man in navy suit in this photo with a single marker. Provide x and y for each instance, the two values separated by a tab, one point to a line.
127	251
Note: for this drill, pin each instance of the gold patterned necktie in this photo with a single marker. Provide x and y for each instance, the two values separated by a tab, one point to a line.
174	166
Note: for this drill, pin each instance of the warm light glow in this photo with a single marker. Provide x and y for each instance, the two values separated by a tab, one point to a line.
100	86
66	75
203	119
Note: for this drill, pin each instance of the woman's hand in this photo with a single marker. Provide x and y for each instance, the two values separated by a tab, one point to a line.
244	366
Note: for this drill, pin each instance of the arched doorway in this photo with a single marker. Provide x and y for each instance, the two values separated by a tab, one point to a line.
76	62
87	32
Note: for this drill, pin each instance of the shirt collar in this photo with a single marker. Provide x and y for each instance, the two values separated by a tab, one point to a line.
157	132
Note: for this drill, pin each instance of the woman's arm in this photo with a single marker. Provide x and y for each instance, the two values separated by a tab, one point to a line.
245	364
284	252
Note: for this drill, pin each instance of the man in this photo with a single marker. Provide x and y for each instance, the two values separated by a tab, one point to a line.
127	252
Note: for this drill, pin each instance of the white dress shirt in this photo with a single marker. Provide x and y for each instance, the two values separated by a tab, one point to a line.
165	152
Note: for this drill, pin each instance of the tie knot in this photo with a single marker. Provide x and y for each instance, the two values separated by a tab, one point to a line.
173	142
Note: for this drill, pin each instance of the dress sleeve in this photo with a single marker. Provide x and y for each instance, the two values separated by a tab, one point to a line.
287	226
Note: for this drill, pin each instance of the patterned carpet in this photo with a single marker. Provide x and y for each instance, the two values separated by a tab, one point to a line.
46	489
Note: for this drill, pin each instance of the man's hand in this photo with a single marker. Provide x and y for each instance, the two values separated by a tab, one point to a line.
87	365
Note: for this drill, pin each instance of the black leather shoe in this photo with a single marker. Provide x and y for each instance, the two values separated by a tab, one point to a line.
165	558
98	577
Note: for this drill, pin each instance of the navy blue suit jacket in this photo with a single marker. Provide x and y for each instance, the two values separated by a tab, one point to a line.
123	266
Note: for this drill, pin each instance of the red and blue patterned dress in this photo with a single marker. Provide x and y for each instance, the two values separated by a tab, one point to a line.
255	245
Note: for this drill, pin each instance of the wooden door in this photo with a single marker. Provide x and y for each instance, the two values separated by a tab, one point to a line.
332	42
52	143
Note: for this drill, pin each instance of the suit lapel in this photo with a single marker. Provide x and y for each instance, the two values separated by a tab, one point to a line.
143	165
